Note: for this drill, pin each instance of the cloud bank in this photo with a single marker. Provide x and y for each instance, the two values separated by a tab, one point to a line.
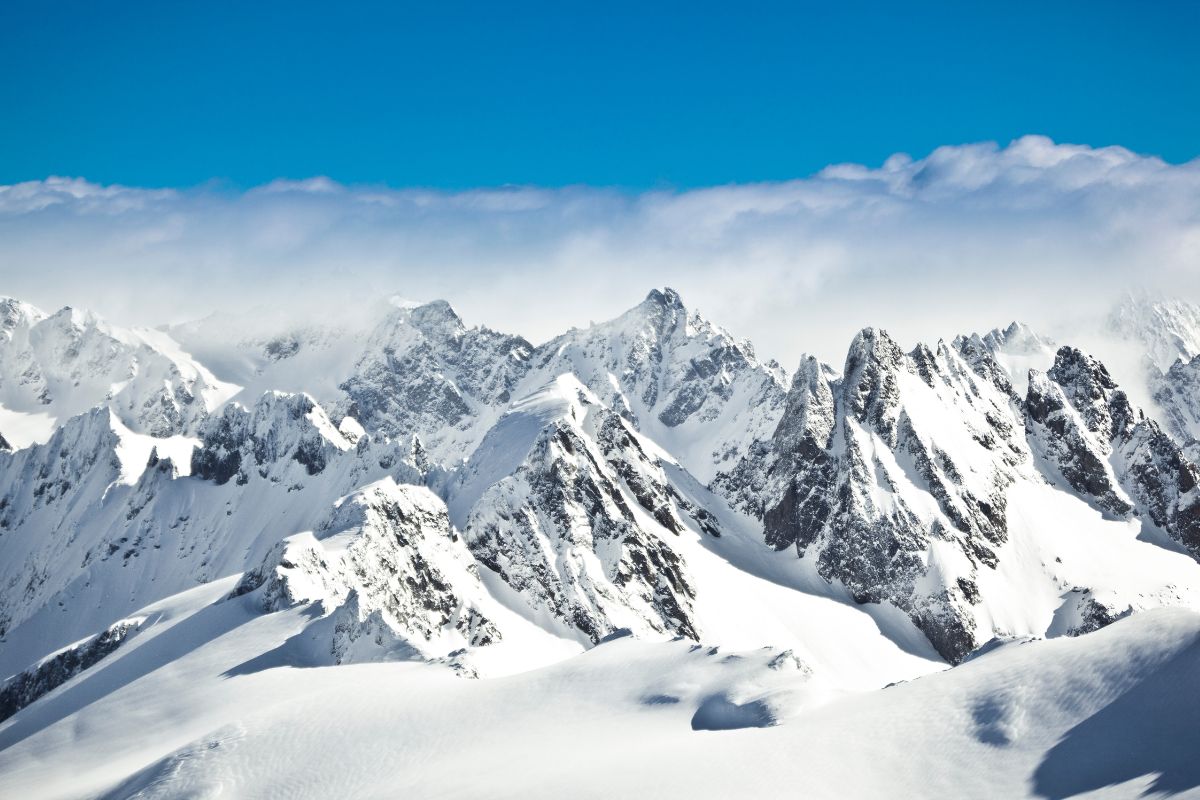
966	238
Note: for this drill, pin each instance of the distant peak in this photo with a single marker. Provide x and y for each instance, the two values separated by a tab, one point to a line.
434	307
77	317
666	297
436	318
871	339
14	312
1075	368
1016	338
871	349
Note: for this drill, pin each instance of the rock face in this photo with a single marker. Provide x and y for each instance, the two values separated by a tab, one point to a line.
22	689
1108	451
1072	450
388	566
581	528
1176	393
63	364
1084	613
425	374
280	428
891	480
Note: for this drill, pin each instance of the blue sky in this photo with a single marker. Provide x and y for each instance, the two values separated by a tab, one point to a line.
637	95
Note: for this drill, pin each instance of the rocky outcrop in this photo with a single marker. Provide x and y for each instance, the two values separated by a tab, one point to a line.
1108	451
581	527
875	474
280	429
389	568
1072	451
425	373
26	687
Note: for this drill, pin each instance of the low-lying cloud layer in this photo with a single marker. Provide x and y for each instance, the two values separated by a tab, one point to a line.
969	237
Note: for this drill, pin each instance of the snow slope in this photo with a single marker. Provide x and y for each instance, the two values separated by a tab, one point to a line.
194	709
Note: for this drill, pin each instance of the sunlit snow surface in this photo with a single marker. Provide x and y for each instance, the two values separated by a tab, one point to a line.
195	709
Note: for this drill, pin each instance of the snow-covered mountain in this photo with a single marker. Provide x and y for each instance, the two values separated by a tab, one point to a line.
912	478
424	374
55	366
675	376
215	519
1177	397
679	379
1166	328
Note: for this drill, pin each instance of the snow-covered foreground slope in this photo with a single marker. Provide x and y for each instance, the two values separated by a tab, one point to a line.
197	709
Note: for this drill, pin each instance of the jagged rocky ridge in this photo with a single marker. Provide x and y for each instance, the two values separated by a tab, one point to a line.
892	478
466	475
676	377
1110	452
389	567
889	497
82	517
581	528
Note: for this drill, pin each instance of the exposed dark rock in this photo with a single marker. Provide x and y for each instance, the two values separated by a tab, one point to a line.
424	373
564	509
1108	451
240	442
823	488
26	687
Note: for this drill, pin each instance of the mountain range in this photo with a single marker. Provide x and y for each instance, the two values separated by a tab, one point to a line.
239	548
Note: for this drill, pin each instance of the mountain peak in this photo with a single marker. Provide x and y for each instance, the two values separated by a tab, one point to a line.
874	345
436	318
1016	338
1080	372
14	312
666	297
1167	328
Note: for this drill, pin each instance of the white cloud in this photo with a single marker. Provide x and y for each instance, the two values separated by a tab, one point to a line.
965	238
